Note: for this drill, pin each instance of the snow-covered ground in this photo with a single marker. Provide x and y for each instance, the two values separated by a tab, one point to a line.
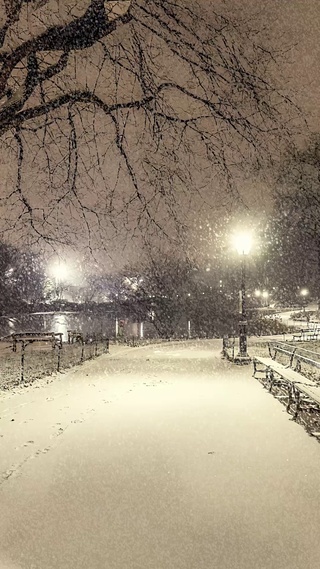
161	457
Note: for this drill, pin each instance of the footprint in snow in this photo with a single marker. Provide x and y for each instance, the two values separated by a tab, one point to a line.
42	451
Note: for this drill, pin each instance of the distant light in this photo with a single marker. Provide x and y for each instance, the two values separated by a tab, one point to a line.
59	270
242	243
265	294
9	272
257	292
304	292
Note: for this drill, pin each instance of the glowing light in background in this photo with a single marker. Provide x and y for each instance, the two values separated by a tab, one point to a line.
59	272
242	242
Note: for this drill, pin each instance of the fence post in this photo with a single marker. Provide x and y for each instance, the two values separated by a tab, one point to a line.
22	360
82	353
59	356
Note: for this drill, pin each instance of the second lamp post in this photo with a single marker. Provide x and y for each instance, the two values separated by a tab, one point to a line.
243	243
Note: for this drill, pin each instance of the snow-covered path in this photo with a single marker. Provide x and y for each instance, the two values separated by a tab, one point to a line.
162	457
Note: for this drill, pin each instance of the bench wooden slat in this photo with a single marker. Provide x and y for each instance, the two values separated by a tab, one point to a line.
312	391
270	363
285	371
306	360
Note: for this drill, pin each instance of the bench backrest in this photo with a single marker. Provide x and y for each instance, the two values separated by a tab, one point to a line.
300	358
296	356
25	338
276	348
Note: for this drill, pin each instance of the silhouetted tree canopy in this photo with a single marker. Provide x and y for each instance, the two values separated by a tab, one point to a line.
122	118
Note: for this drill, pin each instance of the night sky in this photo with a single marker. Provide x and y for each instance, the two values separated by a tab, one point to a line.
296	23
292	28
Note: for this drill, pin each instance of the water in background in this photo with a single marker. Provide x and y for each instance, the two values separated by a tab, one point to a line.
87	323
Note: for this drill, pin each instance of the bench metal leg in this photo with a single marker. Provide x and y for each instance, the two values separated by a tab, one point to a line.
254	368
266	372
290	397
270	379
298	403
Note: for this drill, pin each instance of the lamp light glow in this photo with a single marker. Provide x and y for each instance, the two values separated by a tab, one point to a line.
59	271
243	243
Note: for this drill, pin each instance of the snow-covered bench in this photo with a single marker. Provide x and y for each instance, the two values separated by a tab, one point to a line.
300	389
26	338
306	335
75	336
273	371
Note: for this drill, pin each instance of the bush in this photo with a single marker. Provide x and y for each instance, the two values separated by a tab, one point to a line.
266	327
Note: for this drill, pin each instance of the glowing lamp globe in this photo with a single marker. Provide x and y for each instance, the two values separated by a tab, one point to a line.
59	271
242	243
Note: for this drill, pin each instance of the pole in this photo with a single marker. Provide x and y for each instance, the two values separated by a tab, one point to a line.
243	343
22	360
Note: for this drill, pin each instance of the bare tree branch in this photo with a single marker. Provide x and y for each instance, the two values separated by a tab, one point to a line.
130	114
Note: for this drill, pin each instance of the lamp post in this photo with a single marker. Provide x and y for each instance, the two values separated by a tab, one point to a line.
243	245
304	293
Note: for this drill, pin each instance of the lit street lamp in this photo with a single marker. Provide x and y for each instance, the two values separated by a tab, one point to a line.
59	271
264	295
243	242
304	293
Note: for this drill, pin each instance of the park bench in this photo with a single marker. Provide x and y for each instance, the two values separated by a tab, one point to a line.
228	347
307	334
302	392
75	336
26	338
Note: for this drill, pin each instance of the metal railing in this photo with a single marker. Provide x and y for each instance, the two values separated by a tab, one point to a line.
26	357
